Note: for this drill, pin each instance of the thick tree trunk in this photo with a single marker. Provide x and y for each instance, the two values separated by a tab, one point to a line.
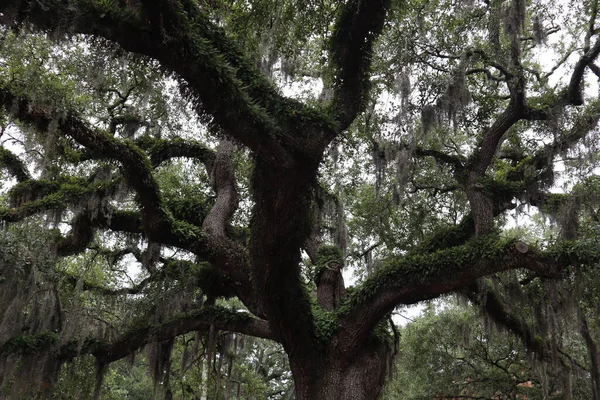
482	207
339	378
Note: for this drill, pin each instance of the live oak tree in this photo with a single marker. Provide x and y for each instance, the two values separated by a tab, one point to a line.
475	120
449	353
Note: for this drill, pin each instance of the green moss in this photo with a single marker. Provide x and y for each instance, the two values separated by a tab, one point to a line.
212	281
575	252
326	323
29	344
186	232
421	269
538	341
502	188
444	238
554	202
325	255
191	210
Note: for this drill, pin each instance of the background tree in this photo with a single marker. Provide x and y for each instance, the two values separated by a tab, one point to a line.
180	152
449	353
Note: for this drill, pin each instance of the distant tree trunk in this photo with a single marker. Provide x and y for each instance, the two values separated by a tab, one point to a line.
231	358
594	355
218	377
204	380
567	386
343	378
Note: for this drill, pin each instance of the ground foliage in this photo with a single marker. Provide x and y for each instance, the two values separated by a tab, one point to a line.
181	176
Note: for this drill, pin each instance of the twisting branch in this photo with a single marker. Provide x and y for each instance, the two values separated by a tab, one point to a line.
223	177
415	278
482	158
574	93
223	82
449	159
220	318
157	222
161	150
13	165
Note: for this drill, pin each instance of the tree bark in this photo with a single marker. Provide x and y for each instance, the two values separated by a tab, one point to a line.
594	355
342	378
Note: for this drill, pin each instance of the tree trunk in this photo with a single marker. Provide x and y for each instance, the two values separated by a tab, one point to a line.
342	378
594	355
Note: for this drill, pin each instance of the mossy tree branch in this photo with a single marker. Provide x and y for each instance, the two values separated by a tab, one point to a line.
14	165
32	197
161	150
351	48
484	296
227	88
129	342
220	318
415	278
518	108
157	222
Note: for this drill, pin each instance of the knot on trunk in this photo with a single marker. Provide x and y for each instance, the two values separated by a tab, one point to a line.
328	277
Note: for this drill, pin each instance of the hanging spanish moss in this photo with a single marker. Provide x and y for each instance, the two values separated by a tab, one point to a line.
332	216
429	119
402	85
268	56
494	27
340	236
159	363
539	33
393	164
514	17
29	376
457	95
547	309
30	316
185	356
101	370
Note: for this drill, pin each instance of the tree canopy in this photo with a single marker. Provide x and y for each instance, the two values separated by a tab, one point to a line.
179	174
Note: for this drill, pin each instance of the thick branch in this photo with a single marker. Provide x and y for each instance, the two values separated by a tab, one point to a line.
354	36
449	159
161	150
32	197
221	319
157	223
224	184
482	158
213	70
574	91
416	278
13	165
